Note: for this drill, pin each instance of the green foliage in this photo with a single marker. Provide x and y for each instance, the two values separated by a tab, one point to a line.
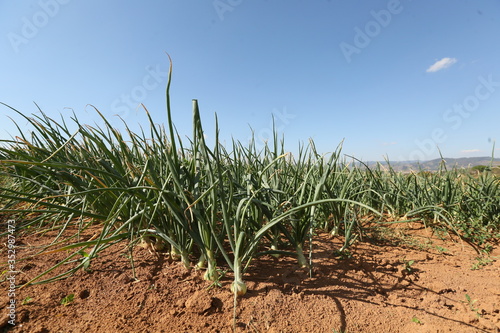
67	300
407	265
470	302
441	249
26	300
480	262
481	168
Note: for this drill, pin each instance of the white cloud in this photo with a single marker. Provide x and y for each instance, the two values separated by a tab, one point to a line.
441	64
469	151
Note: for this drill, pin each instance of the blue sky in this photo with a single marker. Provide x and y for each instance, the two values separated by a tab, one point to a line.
390	78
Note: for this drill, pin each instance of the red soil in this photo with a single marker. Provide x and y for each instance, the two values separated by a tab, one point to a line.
372	291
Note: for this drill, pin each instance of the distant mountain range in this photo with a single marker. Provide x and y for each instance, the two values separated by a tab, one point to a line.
433	165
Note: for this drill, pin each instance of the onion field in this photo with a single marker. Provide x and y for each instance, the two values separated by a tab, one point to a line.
219	206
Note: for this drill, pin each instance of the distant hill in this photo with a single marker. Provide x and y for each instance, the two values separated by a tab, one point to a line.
433	165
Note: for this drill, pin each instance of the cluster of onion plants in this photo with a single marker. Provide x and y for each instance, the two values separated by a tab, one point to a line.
466	204
215	204
210	202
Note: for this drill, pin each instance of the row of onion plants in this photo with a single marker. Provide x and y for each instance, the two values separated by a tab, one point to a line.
214	205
